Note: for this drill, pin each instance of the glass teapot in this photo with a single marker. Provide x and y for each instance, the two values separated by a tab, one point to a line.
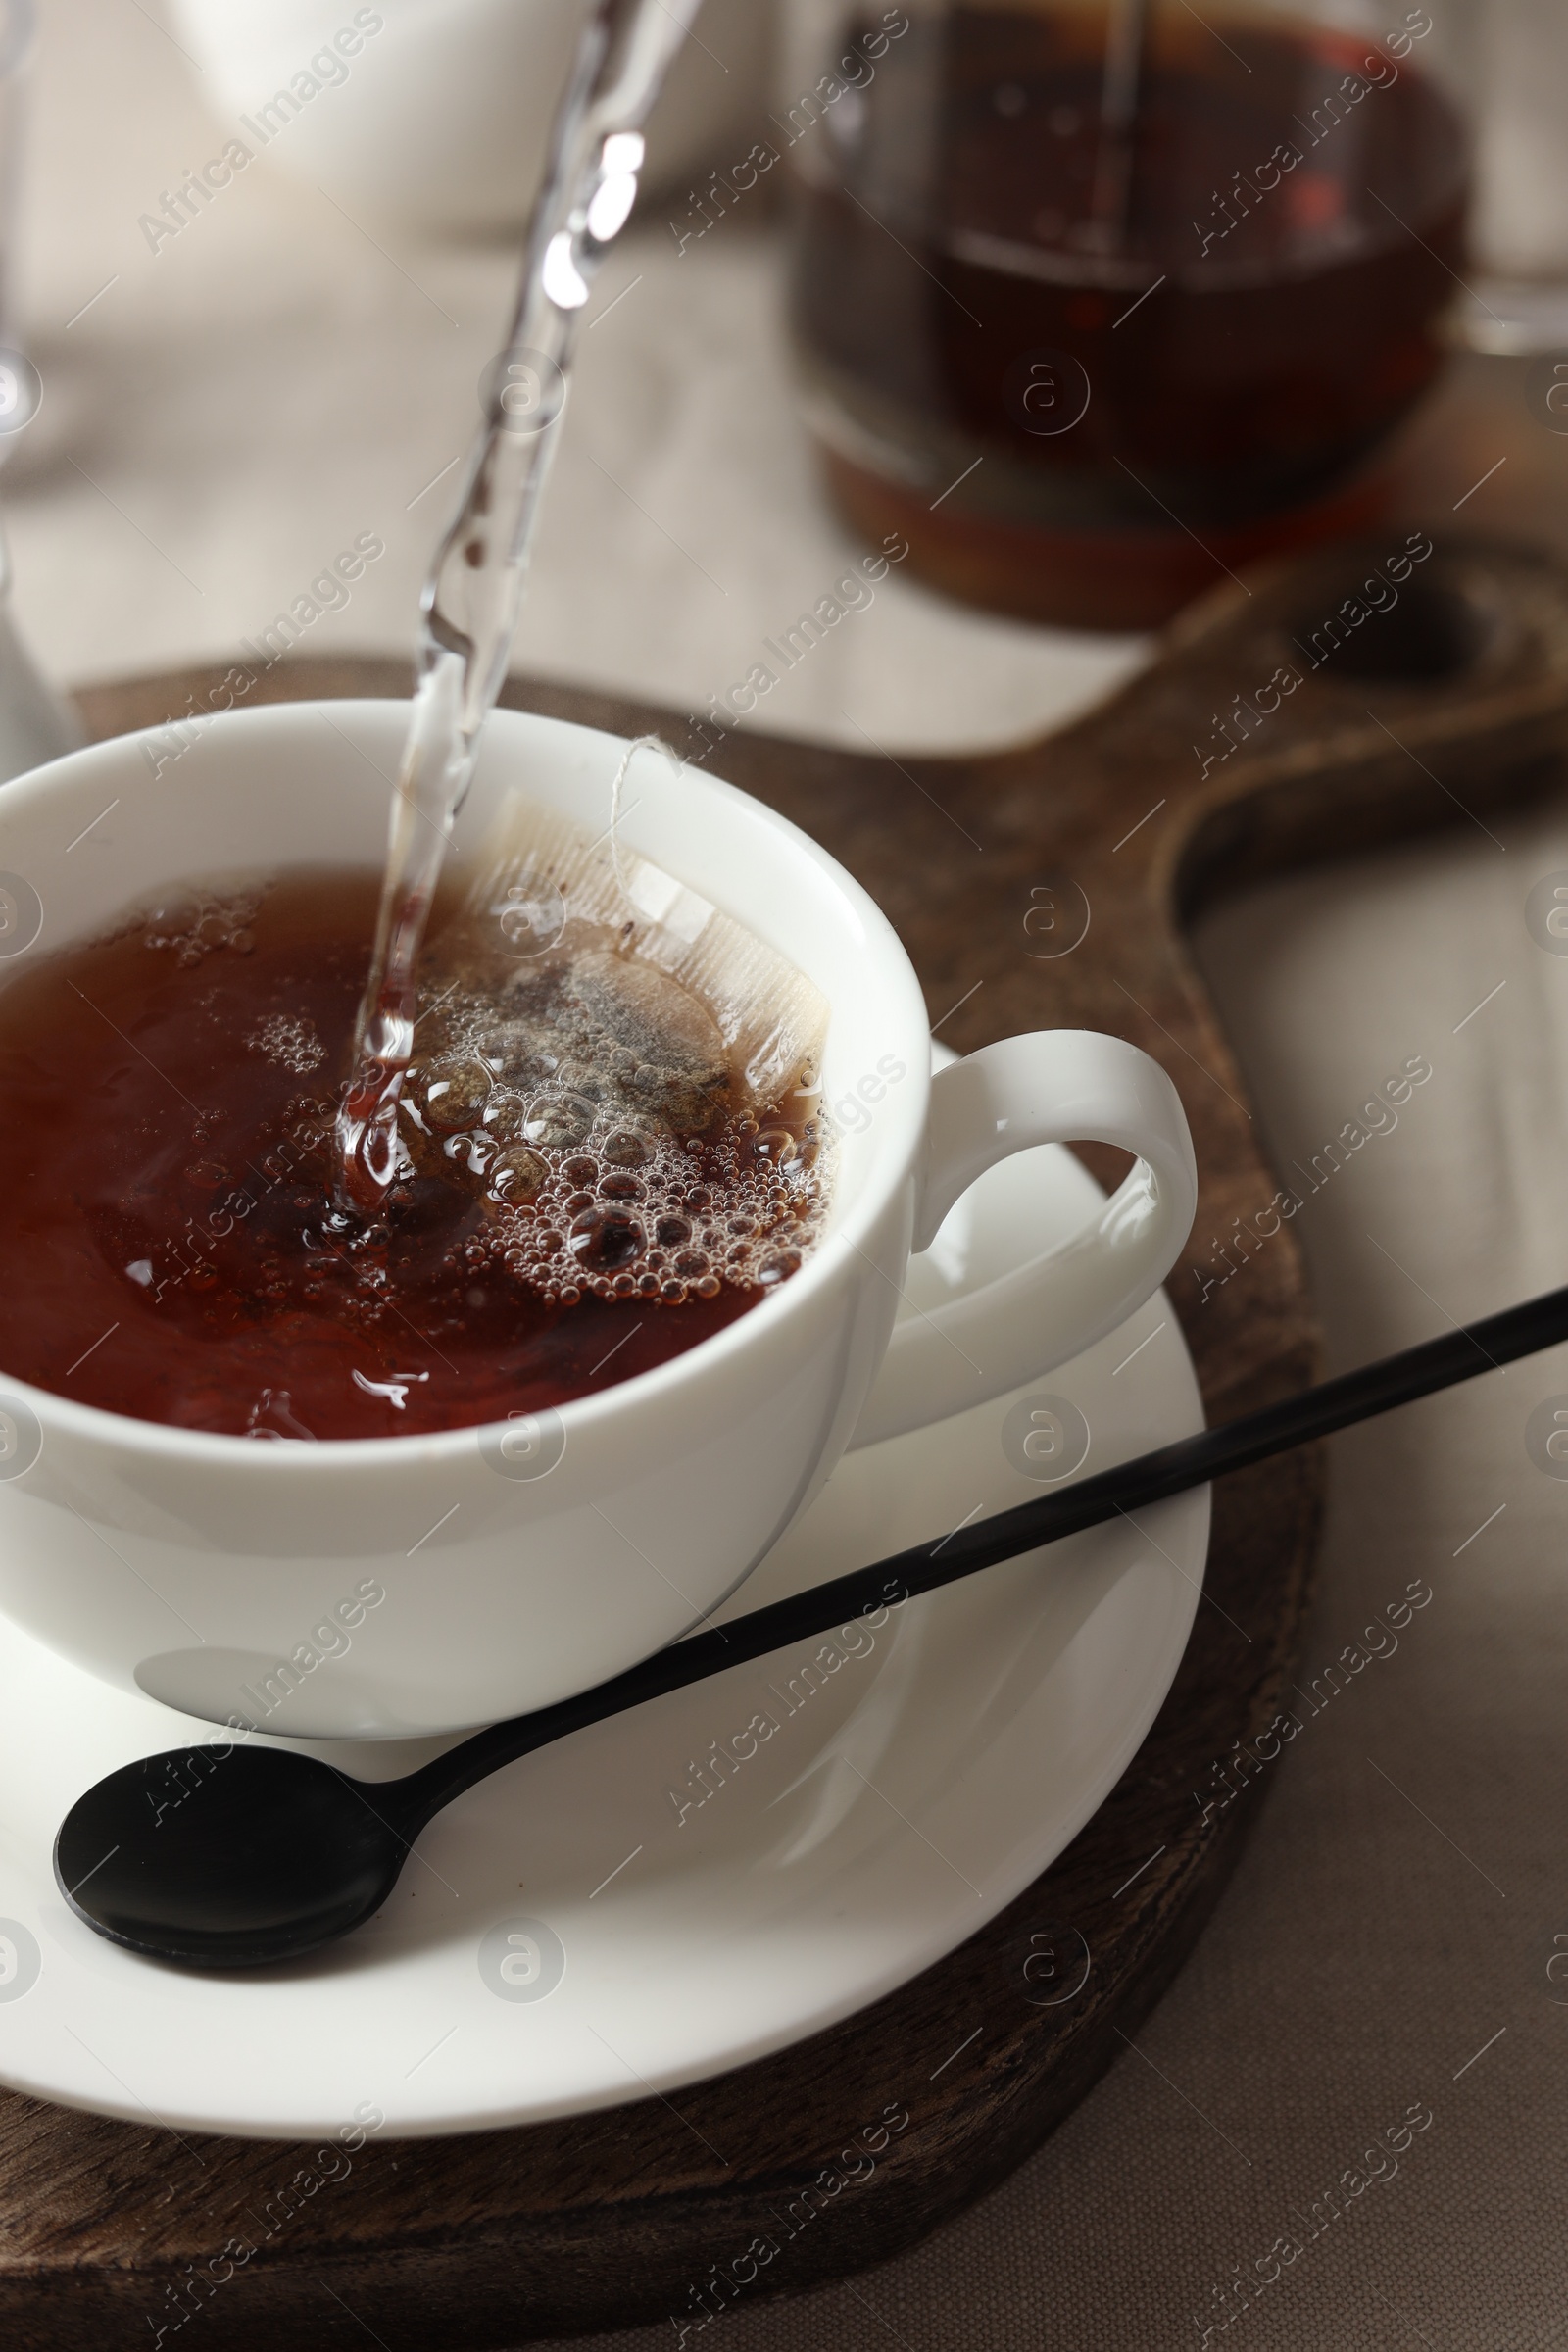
1095	299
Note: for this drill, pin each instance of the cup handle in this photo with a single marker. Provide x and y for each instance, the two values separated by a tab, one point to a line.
1055	1086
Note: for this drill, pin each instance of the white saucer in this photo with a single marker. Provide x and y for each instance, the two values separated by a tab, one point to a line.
901	1806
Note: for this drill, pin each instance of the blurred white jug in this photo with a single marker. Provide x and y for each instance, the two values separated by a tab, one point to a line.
434	113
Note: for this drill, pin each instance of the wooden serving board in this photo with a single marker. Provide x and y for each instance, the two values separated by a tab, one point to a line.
1457	695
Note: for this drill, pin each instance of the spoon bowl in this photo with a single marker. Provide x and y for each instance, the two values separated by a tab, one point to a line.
227	1857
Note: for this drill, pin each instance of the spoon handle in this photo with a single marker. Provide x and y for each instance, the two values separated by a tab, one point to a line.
1483	1347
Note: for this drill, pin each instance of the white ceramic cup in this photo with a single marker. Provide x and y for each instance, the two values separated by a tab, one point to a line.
434	115
404	1586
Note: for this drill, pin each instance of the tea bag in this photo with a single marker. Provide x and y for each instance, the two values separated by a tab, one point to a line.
625	1076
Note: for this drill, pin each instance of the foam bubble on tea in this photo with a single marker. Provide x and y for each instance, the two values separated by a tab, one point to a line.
623	1075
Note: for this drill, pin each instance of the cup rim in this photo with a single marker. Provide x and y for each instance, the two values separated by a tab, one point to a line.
824	1268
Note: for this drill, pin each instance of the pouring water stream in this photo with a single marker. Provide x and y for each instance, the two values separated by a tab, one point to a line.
473	591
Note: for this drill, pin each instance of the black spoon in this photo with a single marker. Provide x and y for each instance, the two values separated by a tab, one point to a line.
228	1858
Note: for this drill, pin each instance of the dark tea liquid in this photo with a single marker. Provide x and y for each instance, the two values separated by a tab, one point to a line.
168	1249
1221	345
